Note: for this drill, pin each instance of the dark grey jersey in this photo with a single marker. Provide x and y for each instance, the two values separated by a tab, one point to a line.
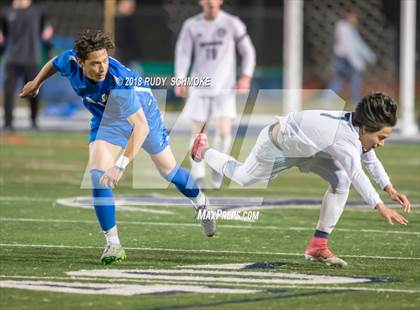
22	29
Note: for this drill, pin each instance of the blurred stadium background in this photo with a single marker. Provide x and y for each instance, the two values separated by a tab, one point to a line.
42	240
158	23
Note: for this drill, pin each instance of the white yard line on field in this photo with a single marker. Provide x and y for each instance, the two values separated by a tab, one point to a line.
195	251
23	198
135	209
257	227
358	208
6	219
307	287
365	230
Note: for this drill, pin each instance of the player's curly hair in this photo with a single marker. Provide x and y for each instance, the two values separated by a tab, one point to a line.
92	40
375	111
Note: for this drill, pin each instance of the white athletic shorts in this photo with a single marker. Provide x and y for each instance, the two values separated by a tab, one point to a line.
267	160
201	108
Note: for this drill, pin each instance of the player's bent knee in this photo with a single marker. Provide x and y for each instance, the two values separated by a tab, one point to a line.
245	181
248	182
341	183
341	190
235	171
342	187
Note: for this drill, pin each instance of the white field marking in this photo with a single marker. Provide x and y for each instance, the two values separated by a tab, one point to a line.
259	286
127	208
5	219
364	230
86	202
359	208
101	279
354	288
117	289
193	251
415	209
121	206
253	203
256	277
262	227
80	202
175	201
238	266
15	198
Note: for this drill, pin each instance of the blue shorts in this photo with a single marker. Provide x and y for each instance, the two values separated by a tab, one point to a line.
118	131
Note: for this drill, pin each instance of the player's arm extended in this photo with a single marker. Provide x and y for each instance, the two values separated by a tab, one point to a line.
377	171
247	51
32	87
140	131
138	135
183	54
351	162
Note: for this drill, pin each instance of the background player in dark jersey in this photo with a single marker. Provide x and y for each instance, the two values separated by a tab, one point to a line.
22	26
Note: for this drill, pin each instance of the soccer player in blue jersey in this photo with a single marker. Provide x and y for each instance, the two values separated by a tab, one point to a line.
125	117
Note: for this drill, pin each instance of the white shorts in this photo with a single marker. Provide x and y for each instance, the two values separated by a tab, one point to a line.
201	108
267	161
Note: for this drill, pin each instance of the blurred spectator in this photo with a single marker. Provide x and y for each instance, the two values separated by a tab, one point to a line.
23	24
351	53
127	38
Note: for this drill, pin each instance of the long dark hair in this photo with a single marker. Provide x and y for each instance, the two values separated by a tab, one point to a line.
375	111
92	40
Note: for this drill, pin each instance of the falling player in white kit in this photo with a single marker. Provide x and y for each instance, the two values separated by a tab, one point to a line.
211	38
332	144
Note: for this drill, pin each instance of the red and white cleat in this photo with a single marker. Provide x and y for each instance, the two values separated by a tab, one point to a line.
201	142
318	250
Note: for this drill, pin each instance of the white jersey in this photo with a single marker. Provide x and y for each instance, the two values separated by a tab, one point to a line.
331	134
213	44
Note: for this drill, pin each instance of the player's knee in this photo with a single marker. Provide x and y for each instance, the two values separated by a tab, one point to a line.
244	179
340	183
235	171
341	187
246	182
338	190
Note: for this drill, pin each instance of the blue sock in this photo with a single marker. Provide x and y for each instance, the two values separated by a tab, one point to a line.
183	181
321	234
103	201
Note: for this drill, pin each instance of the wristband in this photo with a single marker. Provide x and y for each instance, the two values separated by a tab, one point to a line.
122	162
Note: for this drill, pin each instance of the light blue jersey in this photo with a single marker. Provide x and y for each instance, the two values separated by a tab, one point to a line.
113	100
